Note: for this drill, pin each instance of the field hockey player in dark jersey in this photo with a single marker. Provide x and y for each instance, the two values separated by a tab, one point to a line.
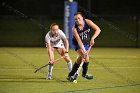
82	40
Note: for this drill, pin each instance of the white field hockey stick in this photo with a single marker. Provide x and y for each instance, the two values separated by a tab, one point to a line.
78	71
49	63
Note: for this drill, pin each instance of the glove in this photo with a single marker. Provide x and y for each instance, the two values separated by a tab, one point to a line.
85	55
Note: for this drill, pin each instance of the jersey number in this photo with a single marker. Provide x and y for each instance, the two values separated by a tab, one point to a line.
83	35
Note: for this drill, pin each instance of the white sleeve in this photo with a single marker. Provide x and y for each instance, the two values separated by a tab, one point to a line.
63	36
47	38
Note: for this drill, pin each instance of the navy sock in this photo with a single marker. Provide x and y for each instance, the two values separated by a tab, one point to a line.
85	69
74	69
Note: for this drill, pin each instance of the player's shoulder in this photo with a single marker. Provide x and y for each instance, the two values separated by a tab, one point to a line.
88	20
60	31
48	34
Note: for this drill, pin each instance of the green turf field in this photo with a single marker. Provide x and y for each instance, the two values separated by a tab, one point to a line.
115	70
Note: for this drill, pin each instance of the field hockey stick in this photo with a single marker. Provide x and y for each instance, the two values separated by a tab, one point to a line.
78	71
49	63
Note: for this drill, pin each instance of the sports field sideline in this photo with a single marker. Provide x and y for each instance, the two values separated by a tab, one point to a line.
115	70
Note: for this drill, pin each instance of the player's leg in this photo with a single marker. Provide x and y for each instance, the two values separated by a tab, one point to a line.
50	67
85	69
61	51
75	67
85	66
86	62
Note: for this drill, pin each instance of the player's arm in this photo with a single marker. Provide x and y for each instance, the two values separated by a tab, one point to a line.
49	48
66	44
50	52
65	40
94	27
76	35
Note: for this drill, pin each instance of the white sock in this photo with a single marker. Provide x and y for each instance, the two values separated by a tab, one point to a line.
50	68
69	65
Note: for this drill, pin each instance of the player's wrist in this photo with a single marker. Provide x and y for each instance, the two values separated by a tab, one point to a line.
66	52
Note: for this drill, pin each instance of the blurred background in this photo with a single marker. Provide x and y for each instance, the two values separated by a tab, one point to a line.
25	22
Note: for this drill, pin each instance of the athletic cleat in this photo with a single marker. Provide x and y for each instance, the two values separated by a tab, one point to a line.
49	77
70	78
88	76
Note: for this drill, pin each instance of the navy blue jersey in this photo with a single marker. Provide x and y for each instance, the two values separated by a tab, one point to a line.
84	34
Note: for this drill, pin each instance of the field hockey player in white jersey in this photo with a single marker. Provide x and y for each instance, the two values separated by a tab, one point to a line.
56	40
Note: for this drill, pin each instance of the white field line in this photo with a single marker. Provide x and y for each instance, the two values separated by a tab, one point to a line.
66	68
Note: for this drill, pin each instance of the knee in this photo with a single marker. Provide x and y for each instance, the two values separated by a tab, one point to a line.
86	60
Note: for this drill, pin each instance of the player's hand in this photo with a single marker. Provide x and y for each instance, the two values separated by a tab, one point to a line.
92	42
85	55
51	62
84	52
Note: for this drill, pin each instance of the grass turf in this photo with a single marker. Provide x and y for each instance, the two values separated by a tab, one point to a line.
115	70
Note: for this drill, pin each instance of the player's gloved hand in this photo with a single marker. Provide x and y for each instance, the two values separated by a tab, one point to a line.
92	42
85	55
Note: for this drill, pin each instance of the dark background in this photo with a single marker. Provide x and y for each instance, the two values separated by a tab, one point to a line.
118	19
54	8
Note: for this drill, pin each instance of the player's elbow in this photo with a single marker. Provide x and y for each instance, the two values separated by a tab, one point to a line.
98	30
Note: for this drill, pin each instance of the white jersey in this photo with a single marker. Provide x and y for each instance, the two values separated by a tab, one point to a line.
56	41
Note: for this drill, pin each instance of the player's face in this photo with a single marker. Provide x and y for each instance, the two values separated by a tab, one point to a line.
54	29
78	19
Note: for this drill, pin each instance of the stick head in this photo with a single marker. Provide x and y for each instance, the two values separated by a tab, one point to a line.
36	70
